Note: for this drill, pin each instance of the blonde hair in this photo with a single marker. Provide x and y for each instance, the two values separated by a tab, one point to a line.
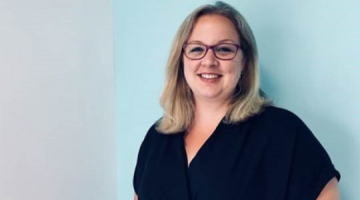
177	99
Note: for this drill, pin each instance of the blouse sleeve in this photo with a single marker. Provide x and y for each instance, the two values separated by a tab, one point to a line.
143	154
311	167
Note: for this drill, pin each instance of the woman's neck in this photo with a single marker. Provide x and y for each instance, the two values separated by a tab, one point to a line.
210	112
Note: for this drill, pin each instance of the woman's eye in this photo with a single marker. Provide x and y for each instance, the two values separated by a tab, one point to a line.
224	49
197	49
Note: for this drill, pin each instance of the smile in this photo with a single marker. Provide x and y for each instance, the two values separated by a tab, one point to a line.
210	76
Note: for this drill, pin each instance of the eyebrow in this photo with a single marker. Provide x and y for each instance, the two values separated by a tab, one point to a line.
219	42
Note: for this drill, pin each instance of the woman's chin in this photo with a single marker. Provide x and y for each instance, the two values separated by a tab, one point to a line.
211	96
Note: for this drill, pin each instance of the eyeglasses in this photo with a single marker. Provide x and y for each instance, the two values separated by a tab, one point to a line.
223	51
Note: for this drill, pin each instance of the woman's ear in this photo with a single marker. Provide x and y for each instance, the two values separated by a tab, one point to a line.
243	62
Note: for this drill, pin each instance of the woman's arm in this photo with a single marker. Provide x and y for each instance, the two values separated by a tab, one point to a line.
330	191
135	197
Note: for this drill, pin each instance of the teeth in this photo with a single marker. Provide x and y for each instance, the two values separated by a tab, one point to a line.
209	76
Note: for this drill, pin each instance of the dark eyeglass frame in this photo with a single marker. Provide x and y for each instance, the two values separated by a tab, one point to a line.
238	46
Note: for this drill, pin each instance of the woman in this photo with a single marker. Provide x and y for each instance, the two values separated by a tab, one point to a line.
220	138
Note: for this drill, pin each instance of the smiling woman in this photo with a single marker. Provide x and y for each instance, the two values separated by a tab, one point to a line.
220	137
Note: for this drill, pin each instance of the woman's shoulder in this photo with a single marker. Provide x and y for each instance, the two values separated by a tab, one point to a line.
149	143
279	124
272	115
278	113
287	140
153	135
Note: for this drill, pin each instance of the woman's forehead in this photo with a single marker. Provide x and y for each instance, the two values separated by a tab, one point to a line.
214	28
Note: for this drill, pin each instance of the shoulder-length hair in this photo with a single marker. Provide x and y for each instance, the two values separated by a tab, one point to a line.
177	98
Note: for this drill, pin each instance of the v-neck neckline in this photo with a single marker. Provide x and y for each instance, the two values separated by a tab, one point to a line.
201	149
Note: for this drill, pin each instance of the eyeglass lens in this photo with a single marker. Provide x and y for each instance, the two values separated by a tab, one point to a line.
221	51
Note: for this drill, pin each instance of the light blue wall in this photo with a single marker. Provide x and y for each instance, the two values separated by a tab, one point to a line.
309	57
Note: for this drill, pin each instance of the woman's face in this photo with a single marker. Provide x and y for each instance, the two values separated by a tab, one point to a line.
210	78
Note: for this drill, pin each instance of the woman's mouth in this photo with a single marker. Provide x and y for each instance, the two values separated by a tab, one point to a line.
209	77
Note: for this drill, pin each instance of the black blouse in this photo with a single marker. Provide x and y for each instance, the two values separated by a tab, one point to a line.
272	155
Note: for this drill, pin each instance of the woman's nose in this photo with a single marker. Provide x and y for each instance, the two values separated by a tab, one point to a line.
209	59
